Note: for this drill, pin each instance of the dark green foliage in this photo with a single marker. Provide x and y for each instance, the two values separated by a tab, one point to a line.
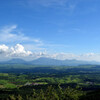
50	93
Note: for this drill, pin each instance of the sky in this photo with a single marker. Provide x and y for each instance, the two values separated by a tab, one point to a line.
60	29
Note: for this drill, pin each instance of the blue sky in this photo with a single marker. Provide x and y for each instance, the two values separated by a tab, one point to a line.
52	26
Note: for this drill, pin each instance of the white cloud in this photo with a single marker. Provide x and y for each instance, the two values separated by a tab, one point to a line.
89	57
17	51
63	56
12	34
8	29
58	4
3	48
85	57
52	2
48	3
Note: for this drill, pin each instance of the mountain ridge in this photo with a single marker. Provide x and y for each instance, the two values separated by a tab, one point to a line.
49	61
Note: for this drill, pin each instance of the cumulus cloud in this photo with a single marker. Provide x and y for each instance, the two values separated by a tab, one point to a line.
17	51
3	49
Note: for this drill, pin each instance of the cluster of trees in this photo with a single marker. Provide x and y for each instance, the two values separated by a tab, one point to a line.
51	93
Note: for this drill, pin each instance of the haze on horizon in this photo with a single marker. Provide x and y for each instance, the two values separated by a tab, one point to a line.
60	29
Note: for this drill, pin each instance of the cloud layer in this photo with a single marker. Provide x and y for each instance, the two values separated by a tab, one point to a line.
18	51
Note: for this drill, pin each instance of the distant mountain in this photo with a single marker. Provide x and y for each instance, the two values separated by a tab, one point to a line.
46	61
49	61
15	61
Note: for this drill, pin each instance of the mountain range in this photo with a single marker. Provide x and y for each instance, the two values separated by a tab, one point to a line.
49	61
